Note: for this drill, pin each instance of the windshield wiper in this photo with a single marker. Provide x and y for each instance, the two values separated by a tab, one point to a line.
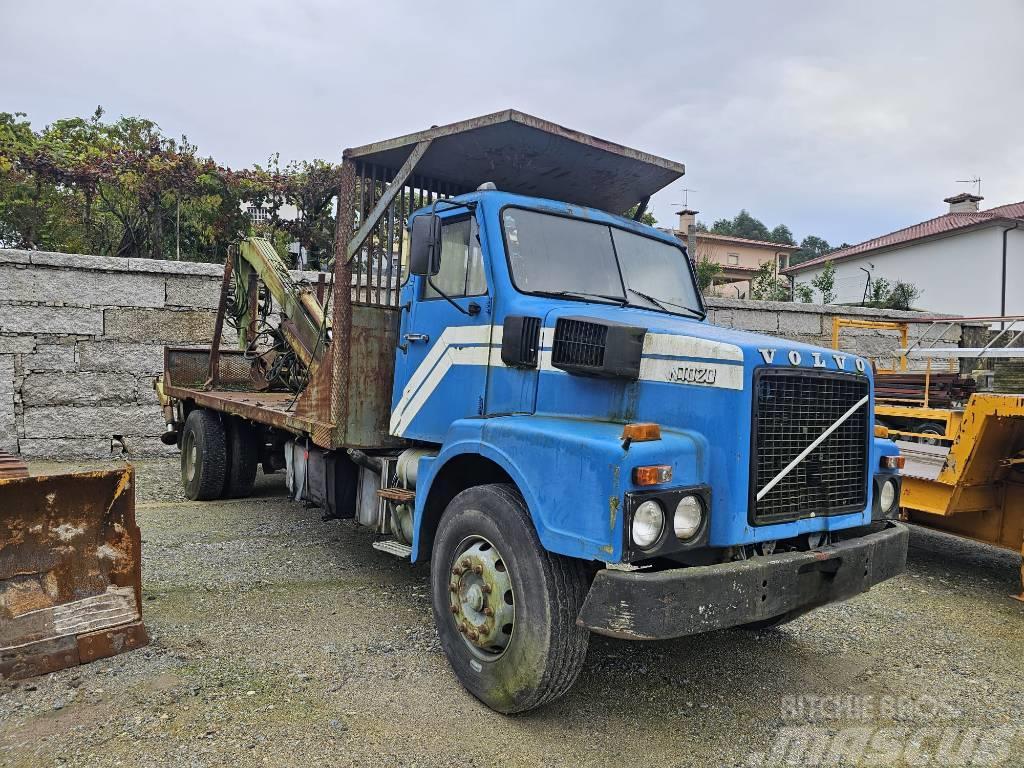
662	302
584	295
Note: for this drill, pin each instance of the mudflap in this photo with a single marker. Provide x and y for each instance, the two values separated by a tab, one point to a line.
70	570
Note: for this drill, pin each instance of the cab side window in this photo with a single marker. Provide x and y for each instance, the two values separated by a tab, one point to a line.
462	265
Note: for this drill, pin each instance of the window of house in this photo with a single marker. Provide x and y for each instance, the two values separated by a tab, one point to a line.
783	261
258	214
734	259
462	265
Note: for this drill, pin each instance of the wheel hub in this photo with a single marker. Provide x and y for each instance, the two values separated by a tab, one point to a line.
481	598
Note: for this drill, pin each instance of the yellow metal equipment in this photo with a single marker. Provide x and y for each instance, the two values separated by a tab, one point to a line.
966	478
975	486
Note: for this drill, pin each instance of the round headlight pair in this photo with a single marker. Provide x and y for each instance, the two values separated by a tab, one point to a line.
649	521
887	496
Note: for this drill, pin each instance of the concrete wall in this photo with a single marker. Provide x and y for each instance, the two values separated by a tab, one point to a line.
81	341
959	275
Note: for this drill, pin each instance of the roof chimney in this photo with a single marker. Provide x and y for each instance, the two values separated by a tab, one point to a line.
687	219
965	202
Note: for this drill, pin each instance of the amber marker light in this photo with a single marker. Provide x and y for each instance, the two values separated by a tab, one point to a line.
653	475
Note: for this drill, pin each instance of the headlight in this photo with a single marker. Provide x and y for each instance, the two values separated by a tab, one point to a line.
648	522
688	517
887	496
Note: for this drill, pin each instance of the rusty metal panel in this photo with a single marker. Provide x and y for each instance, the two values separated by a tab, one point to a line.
527	155
371	367
11	466
70	570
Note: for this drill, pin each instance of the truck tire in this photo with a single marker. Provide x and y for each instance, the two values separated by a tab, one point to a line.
505	608
203	455
242	458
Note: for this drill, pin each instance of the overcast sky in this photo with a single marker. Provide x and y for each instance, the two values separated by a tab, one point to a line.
842	119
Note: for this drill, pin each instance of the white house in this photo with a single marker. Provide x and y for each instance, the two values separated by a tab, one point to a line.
966	262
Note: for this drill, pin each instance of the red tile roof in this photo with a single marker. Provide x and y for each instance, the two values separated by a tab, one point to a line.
739	240
940	225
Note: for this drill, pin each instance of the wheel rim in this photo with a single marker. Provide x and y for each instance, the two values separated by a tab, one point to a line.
189	451
481	599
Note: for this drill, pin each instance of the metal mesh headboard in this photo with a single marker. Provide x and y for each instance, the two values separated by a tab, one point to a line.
377	266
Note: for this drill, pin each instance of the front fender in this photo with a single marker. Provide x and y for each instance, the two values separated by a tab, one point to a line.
572	473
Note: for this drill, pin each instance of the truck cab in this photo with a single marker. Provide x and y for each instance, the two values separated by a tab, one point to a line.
573	446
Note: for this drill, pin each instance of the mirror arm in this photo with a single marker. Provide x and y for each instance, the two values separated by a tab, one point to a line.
449	299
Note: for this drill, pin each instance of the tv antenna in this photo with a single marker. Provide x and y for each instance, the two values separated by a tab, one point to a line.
686	197
975	180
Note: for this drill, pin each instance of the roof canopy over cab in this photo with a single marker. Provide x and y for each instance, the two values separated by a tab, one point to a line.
526	155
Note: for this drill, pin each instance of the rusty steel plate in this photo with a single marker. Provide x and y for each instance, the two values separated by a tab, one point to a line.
70	570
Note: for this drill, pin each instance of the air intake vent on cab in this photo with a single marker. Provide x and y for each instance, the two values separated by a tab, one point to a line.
520	341
595	347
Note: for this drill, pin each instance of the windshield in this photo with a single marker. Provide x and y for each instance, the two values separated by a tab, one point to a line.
583	259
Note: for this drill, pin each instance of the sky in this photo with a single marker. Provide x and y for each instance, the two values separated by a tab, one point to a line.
842	119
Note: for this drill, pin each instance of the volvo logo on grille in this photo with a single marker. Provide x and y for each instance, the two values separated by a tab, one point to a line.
816	359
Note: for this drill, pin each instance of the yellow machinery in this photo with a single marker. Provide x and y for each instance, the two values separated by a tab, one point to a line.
966	478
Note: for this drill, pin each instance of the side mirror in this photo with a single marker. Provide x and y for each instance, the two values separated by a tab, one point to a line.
425	246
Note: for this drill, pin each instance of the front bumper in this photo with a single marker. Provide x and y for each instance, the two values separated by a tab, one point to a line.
685	601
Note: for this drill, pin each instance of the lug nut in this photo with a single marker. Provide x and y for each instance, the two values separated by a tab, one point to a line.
488	611
478	569
457	571
455	609
465	562
452	588
462	628
487	589
474	636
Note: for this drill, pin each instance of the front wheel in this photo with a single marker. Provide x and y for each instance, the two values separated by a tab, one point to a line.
505	608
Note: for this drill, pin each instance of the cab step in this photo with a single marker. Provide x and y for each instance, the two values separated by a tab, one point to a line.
392	547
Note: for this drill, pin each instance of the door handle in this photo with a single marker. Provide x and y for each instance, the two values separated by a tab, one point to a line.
413	338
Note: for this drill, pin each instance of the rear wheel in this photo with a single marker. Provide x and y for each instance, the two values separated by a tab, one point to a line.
505	608
242	458
203	455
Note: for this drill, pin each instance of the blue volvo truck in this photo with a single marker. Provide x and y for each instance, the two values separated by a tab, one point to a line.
510	378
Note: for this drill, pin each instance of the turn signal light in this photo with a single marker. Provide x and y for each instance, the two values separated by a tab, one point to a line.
653	475
880	431
894	462
641	432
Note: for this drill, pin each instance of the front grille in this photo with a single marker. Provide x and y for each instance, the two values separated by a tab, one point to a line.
578	343
791	410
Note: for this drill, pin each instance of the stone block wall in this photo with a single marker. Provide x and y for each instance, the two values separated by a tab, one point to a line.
82	337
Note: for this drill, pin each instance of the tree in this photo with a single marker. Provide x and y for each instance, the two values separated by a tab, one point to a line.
825	282
707	270
903	295
782	235
647	218
766	284
804	292
742	225
811	247
879	291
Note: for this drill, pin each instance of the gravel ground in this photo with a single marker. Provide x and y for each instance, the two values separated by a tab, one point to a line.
280	639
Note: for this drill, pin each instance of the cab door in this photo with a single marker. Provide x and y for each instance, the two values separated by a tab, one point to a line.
444	343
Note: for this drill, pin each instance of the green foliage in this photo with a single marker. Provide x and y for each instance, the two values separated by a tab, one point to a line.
123	188
707	270
804	293
811	247
647	218
900	295
766	285
742	225
825	282
879	291
782	235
